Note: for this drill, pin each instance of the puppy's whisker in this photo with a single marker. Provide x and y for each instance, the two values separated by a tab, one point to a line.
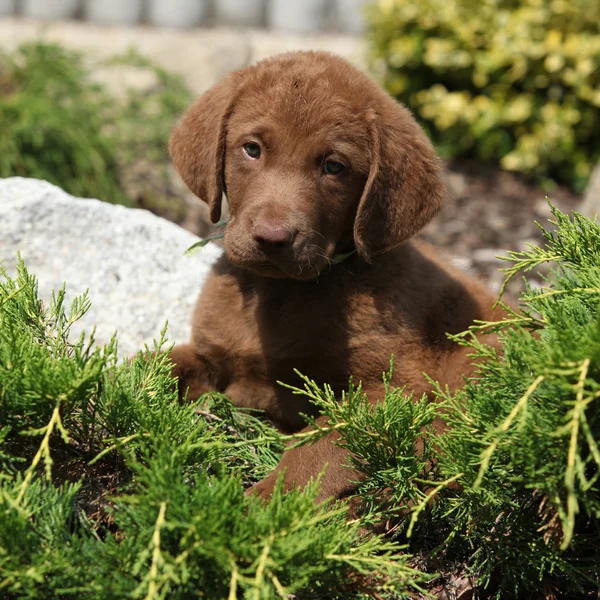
318	251
309	231
329	262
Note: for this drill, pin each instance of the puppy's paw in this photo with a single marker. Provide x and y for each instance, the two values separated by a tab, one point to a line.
265	487
262	490
189	371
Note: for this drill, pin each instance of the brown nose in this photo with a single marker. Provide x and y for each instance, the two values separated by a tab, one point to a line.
272	233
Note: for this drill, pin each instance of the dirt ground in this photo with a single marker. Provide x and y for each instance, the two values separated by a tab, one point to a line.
487	213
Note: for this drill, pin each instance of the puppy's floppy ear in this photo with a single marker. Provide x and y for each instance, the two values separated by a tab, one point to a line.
404	189
197	144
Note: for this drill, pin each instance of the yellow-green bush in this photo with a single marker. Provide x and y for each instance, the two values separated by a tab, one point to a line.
516	82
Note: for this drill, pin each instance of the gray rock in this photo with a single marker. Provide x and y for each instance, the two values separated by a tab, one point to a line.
131	261
590	206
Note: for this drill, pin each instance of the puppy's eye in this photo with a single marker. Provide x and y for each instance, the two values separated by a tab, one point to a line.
252	149
333	167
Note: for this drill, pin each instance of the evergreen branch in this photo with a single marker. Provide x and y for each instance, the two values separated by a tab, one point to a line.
156	553
260	569
233	582
487	454
419	508
119	444
577	412
180	558
525	262
354	559
301	437
13	294
44	449
283	594
386	563
318	519
549	294
594	450
480	326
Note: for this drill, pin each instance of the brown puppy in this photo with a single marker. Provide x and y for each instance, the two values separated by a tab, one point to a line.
316	162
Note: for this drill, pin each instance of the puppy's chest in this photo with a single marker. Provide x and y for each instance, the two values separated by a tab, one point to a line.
284	324
320	330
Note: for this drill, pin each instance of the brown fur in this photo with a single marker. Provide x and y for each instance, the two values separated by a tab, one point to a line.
276	301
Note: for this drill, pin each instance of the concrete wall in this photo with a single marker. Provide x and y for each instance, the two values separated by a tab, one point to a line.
294	16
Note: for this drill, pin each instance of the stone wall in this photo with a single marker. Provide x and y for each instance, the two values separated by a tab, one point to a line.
295	16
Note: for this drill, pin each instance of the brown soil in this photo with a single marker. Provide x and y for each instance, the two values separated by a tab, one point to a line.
489	212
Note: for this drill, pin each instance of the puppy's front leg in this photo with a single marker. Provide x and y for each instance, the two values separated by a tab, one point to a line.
190	371
300	465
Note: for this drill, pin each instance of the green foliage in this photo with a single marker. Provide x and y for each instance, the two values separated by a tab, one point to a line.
106	477
532	419
515	82
523	441
52	117
61	125
112	488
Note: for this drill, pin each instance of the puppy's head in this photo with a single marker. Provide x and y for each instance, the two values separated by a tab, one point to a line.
315	160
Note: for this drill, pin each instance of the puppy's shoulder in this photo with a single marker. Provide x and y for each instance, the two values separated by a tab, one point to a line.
427	285
227	294
227	284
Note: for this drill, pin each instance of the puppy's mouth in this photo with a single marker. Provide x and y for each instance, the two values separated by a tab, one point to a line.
304	261
266	269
